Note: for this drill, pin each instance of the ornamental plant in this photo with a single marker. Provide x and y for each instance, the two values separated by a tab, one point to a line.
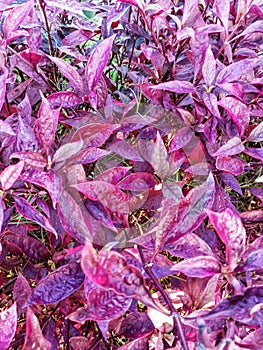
131	174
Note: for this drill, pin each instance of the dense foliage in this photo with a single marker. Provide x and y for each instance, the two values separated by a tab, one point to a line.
131	168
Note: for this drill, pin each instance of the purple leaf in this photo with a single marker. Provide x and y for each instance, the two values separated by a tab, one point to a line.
253	261
31	158
210	101
222	8
99	212
30	246
231	231
10	174
238	111
77	37
254	27
64	99
177	86
231	182
72	218
98	61
238	307
34	337
234	89
232	147
159	157
136	325
172	190
109	195
113	175
21	292
70	73
30	213
8	322
256	134
234	166
209	67
200	266
3	78
137	182
102	305
5	127
89	155
182	137
58	285
50	181
125	150
47	123
67	150
15	18
110	270
235	70
94	135
254	153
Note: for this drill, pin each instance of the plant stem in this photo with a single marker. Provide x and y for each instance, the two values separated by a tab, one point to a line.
176	317
42	8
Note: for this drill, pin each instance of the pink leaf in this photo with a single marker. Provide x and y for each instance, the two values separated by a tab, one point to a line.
231	231
8	322
182	137
31	158
159	157
113	175
256	134
200	266
5	127
34	338
21	292
10	174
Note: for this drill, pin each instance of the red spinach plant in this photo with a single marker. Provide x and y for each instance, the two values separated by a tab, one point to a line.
130	166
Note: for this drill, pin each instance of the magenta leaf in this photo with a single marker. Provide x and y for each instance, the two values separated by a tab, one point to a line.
232	147
67	150
136	325
3	78
98	61
200	266
253	261
34	337
94	135
210	101
234	166
137	182
231	231
58	285
10	174
70	73
110	270
125	150
65	99
113	175
176	86
102	305
47	123
257	26
231	182
30	213
109	195
89	155
8	323
21	292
